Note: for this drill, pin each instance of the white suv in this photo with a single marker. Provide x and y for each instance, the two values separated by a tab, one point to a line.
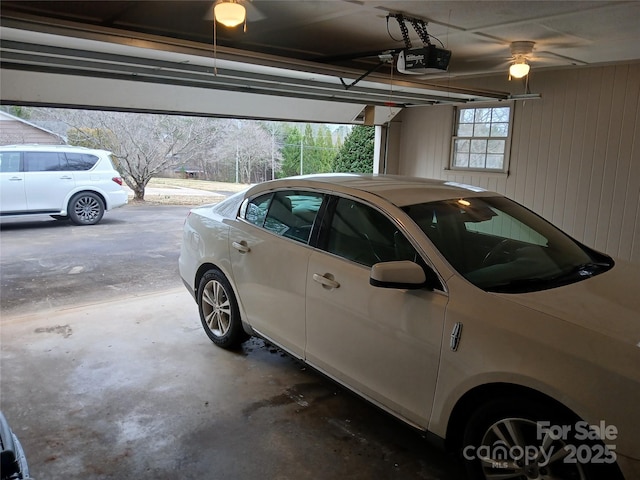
59	180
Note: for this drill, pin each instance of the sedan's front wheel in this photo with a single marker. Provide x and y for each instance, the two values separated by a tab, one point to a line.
219	312
520	440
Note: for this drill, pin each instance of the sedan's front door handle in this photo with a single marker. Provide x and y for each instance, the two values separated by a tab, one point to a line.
326	280
241	246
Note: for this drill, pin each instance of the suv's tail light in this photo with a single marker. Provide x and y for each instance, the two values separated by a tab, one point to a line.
118	180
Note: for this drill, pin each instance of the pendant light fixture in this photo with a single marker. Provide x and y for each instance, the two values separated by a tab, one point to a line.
520	52
520	68
229	13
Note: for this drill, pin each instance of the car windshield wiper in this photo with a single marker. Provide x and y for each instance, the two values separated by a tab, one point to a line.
523	285
584	270
520	285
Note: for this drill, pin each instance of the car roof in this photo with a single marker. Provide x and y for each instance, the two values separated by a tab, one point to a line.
397	189
39	147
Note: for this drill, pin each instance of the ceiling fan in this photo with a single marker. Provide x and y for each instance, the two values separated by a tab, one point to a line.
521	52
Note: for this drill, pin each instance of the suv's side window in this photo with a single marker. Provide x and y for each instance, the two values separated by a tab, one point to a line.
44	161
10	161
80	161
364	235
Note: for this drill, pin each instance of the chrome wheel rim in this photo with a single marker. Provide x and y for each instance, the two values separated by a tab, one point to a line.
87	209
216	308
518	449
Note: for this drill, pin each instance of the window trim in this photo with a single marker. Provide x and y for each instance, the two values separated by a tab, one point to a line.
452	168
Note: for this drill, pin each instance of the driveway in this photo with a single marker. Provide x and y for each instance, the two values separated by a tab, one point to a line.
46	263
107	374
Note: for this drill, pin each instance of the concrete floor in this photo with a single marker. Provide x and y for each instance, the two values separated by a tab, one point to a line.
133	388
106	373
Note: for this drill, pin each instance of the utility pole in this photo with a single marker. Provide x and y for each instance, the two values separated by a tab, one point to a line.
237	162
301	154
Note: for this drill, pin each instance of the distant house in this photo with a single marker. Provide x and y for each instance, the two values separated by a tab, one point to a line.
16	131
188	171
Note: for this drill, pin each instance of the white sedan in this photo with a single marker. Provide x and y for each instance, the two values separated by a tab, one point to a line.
455	309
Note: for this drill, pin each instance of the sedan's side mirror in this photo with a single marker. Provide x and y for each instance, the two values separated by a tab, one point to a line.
403	275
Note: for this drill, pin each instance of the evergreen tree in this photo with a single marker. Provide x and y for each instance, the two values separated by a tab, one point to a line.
311	159
291	152
356	155
326	150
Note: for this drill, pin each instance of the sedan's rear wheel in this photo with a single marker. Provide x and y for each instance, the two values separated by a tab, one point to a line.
86	208
219	312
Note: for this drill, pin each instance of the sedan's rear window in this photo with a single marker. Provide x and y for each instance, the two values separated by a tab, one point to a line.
290	214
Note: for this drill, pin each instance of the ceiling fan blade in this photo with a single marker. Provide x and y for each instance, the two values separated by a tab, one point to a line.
253	13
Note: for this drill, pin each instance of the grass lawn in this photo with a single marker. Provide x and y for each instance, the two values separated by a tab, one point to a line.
197	184
219	190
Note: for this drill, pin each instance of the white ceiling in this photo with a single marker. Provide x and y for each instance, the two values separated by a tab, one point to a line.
309	49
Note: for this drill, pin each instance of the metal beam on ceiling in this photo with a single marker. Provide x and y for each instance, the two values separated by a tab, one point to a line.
105	54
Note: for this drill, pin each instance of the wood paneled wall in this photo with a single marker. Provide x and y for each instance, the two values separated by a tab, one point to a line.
575	152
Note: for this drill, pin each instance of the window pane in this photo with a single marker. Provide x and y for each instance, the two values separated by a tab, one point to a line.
478	146
461	160
499	129
482	130
467	115
462	146
483	115
495	161
465	130
43	162
10	162
500	115
292	214
476	160
80	161
495	146
257	210
362	234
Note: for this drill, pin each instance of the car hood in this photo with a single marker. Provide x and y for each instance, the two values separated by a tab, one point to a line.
608	303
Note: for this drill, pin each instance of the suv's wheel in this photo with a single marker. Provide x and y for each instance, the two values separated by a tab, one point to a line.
219	310
520	439
86	208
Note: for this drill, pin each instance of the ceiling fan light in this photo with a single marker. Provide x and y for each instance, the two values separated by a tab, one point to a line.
519	69
229	14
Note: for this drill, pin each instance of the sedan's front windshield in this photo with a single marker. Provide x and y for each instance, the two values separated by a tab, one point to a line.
500	246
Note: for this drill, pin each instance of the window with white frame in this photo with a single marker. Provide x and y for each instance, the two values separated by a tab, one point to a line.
481	140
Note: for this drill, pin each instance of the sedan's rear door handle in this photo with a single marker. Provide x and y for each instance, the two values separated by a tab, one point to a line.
241	246
326	280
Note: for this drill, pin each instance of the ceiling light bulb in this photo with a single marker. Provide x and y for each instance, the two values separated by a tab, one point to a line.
230	14
519	69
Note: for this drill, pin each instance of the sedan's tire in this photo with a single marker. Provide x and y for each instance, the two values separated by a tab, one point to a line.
219	312
517	438
86	208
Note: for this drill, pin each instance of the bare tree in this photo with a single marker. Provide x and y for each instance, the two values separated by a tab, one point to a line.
248	145
144	145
